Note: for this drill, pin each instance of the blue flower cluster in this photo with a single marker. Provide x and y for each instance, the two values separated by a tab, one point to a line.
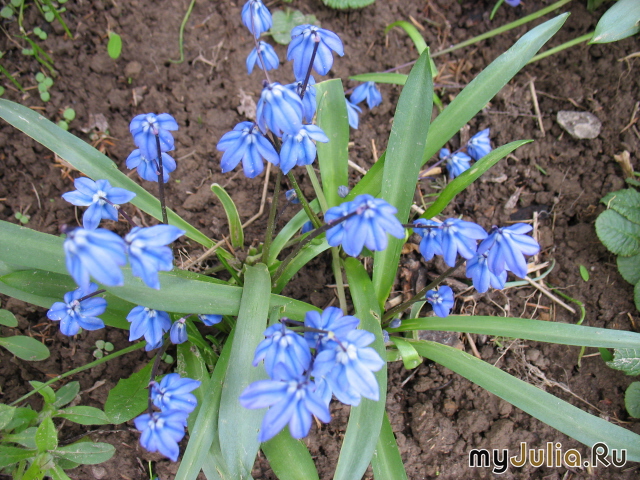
458	162
332	358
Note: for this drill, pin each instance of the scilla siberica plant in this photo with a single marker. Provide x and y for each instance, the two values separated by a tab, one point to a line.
255	367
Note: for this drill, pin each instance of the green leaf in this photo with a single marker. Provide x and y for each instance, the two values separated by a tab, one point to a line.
285	21
46	435
305	256
365	420
289	230
621	21
86	453
625	202
239	426
26	438
84	415
392	78
114	47
345	4
26	348
235	225
630	268
69	114
386	461
11	455
47	392
413	33
57	473
89	161
129	397
190	364
458	184
6	414
618	234
34	472
636	295
584	273
333	156
289	458
410	357
66	394
22	417
402	164
8	319
632	399
585	428
627	360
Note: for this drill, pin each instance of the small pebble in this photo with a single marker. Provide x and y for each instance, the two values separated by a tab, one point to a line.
580	124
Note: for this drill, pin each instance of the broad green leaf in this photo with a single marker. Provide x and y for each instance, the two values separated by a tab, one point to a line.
289	230
26	348
344	4
392	78
114	46
402	164
26	438
11	455
621	21
57	473
386	461
333	156
625	202
627	360
34	472
6	415
285	21
308	253
47	393
585	428
538	330
89	161
46	435
22	417
8	319
66	394
84	415
191	365
235	225
632	399
239	426
129	397
618	234
410	357
365	420
289	458
86	453
413	33
629	268
458	184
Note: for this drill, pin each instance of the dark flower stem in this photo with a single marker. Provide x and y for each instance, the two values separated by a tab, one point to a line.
257	44
154	371
163	205
306	78
271	223
97	292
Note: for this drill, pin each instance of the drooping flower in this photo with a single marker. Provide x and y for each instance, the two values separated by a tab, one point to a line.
161	431
335	235
178	332
152	324
245	142
174	393
441	300
279	109
459	236
101	198
506	248
481	275
479	145
148	169
456	163
353	114
293	399
209	320
307	227
282	345
148	252
343	191
74	314
144	129
308	100
333	321
98	253
292	197
299	149
513	3
268	55
303	41
368	91
256	17
431	243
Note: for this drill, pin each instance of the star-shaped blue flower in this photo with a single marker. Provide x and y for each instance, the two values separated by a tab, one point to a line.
431	243
481	275
299	149
506	248
332	321
303	40
268	54
456	163
161	431
308	100
441	300
459	236
279	109
148	169
282	345
174	393
479	145
366	91
144	129
247	143
74	314
152	324
178	332
256	17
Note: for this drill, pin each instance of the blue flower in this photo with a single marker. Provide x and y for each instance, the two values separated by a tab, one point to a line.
268	55
309	99
333	321
513	3
292	197
299	149
479	145
161	431
100	197
178	332
457	162
209	320
460	237
279	109
294	400
441	300
173	393
431	243
507	246
307	227
144	129
148	169
148	253
335	235
98	253
303	40
353	112
73	314
256	17
368	91
481	275
343	191
373	219
245	142
348	366
282	345
150	323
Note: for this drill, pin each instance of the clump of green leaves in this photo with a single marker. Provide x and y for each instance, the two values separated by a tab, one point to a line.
23	218
68	115
102	348
44	84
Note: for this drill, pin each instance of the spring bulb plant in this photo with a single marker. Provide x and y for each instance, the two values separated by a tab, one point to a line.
254	367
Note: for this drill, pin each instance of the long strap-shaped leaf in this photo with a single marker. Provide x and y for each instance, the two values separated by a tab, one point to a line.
235	225
289	458
238	426
386	461
89	161
402	164
557	413
365	420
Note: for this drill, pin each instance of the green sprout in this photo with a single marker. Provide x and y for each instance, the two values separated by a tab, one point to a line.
44	84
68	115
102	348
23	218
